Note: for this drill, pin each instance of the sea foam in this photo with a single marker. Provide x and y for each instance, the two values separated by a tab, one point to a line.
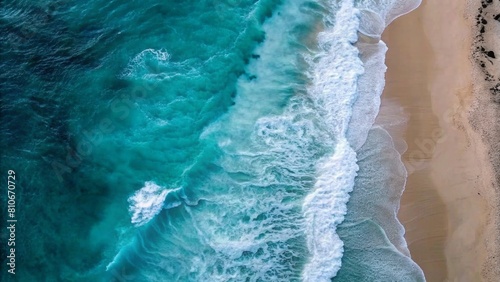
381	171
347	90
147	202
334	73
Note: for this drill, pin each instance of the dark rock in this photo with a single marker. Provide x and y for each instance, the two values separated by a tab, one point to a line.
495	91
497	17
491	54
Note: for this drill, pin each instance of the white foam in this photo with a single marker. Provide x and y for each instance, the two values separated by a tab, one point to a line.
382	12
334	74
324	209
147	202
375	16
370	87
371	23
347	92
153	64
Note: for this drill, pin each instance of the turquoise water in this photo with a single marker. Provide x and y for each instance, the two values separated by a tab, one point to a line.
200	141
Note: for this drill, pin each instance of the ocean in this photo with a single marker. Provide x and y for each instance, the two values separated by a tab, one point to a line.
232	140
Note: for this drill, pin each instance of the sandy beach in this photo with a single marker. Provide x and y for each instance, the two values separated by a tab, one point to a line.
449	206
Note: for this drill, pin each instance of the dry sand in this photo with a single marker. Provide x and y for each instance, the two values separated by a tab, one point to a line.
447	207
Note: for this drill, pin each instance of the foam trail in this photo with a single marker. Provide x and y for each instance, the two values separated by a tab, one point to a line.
324	209
381	171
347	92
334	77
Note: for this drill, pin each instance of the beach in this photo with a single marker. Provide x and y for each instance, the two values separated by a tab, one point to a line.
449	205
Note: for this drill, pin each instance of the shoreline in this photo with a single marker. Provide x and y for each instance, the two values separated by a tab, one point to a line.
445	207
